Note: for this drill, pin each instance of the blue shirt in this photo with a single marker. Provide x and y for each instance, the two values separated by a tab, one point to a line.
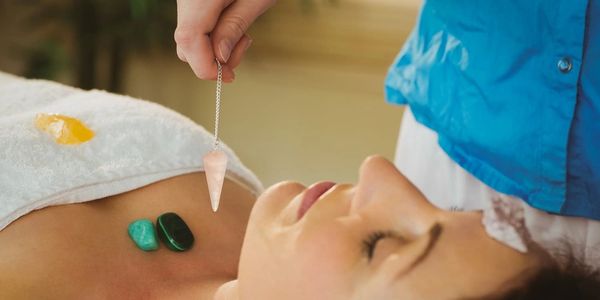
512	88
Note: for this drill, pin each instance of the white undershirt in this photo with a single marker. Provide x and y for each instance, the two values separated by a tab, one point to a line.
450	187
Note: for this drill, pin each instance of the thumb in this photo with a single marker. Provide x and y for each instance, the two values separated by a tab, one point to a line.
233	24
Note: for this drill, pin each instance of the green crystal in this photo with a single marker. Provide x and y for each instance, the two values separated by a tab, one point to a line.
173	231
142	233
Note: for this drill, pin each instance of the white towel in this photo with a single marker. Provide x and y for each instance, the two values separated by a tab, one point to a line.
136	143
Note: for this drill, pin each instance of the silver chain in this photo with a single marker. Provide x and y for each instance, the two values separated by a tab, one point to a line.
218	104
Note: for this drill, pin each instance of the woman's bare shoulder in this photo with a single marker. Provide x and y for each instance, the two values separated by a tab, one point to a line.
82	245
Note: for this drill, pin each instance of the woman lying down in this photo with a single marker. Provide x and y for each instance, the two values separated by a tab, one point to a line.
66	215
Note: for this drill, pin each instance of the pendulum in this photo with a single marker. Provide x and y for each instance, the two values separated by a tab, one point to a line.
215	161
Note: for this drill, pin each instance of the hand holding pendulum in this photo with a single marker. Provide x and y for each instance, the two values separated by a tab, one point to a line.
215	162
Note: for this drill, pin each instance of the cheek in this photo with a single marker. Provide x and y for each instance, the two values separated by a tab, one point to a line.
328	260
292	266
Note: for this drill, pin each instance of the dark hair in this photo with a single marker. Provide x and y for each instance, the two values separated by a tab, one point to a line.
569	280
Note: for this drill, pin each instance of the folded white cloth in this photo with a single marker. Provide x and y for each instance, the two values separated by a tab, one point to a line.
136	143
447	185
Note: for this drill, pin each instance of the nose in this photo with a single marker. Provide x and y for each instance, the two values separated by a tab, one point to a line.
379	180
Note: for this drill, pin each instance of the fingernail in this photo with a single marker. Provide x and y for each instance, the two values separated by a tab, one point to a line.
225	49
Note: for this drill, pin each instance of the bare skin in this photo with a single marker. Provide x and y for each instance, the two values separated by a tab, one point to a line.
82	251
428	254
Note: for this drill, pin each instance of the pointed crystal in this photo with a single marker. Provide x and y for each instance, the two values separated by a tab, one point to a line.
215	165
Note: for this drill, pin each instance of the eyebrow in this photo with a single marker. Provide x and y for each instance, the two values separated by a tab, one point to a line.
434	235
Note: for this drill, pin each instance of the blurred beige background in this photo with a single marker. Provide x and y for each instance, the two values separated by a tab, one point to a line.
307	103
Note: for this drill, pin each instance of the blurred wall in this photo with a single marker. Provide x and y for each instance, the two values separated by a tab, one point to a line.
307	103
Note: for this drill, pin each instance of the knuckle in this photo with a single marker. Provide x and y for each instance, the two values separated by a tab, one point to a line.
183	35
236	23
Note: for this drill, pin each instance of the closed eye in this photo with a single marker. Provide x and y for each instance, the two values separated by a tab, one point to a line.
370	243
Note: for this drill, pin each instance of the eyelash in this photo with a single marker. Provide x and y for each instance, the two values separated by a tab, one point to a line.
371	241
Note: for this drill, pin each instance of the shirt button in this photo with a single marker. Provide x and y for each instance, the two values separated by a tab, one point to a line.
565	65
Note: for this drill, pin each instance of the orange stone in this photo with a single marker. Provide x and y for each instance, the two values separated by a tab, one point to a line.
65	130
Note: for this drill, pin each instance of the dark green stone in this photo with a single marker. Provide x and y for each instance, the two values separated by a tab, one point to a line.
173	231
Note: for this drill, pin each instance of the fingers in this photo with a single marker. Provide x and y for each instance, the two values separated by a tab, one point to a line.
195	20
238	52
215	29
203	65
233	24
236	57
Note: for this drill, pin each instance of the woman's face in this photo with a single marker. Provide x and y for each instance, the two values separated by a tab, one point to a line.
380	239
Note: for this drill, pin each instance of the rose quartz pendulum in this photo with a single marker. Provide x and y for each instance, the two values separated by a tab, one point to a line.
215	161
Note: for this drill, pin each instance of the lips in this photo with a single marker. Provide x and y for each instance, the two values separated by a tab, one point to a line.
312	195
